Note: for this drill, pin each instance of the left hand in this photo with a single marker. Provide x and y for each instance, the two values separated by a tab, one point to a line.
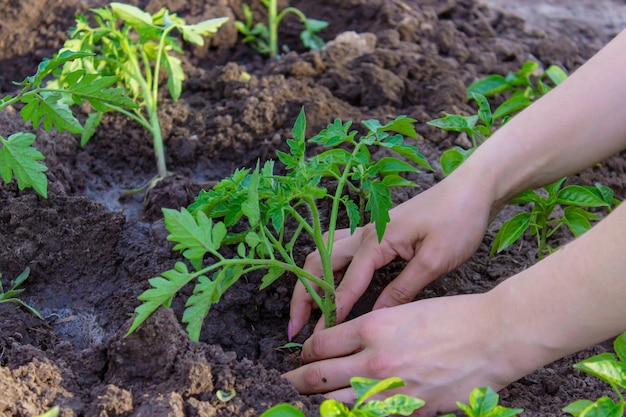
442	348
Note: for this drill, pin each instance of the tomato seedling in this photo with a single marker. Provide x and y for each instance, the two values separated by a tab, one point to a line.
611	370
264	37
10	296
483	402
135	51
50	106
398	404
574	200
262	215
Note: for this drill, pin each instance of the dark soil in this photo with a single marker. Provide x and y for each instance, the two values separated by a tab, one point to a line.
91	254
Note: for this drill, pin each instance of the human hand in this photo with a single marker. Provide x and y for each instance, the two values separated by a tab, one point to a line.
442	348
435	232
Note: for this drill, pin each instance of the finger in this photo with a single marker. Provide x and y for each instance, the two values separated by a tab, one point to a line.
370	256
344	395
340	340
325	376
419	272
300	309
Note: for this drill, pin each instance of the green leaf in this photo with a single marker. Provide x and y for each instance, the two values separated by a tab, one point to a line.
556	74
53	412
163	290
195	33
354	215
455	123
132	15
49	110
379	203
366	387
299	127
581	196
19	158
488	86
92	123
403	125
272	275
394	180
510	106
283	410
451	159
176	75
333	408
198	305
576	220
577	407
250	208
484	109
527	196
398	404
605	367
510	231
620	347
483	400
604	407
193	236
391	165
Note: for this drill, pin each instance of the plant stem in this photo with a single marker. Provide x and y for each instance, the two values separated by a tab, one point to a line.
273	27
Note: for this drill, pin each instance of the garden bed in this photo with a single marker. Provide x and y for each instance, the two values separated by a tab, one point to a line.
91	253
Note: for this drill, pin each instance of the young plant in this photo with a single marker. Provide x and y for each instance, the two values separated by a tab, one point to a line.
398	404
48	105
574	200
483	402
264	37
611	370
134	46
522	92
11	295
262	214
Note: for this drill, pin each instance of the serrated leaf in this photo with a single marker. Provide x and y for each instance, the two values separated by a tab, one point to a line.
198	306
195	33
250	208
403	125
132	15
379	203
91	125
193	235
20	159
272	275
176	75
50	111
391	165
510	231
162	291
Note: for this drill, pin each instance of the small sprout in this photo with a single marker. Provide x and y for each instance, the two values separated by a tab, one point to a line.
225	396
11	294
290	345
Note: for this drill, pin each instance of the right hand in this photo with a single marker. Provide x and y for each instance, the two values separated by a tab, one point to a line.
434	231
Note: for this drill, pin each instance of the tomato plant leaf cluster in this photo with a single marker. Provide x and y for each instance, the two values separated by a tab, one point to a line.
256	216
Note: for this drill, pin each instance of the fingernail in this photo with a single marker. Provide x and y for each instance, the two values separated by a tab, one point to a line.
289	331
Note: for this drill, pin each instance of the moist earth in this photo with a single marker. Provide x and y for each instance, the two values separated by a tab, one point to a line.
91	251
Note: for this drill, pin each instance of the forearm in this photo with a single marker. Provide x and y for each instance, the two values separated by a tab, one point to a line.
577	124
571	300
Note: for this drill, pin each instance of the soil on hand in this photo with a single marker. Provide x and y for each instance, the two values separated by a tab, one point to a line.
91	252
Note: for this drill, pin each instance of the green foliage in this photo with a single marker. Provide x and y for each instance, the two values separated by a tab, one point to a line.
246	215
574	201
483	402
133	46
264	37
10	296
50	106
522	87
398	404
53	412
611	370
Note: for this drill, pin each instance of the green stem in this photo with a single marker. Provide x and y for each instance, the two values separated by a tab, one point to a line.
273	28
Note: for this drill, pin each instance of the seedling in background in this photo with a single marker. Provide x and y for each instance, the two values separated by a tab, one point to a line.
48	106
135	51
519	85
398	404
483	402
11	295
611	370
574	200
264	37
250	210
